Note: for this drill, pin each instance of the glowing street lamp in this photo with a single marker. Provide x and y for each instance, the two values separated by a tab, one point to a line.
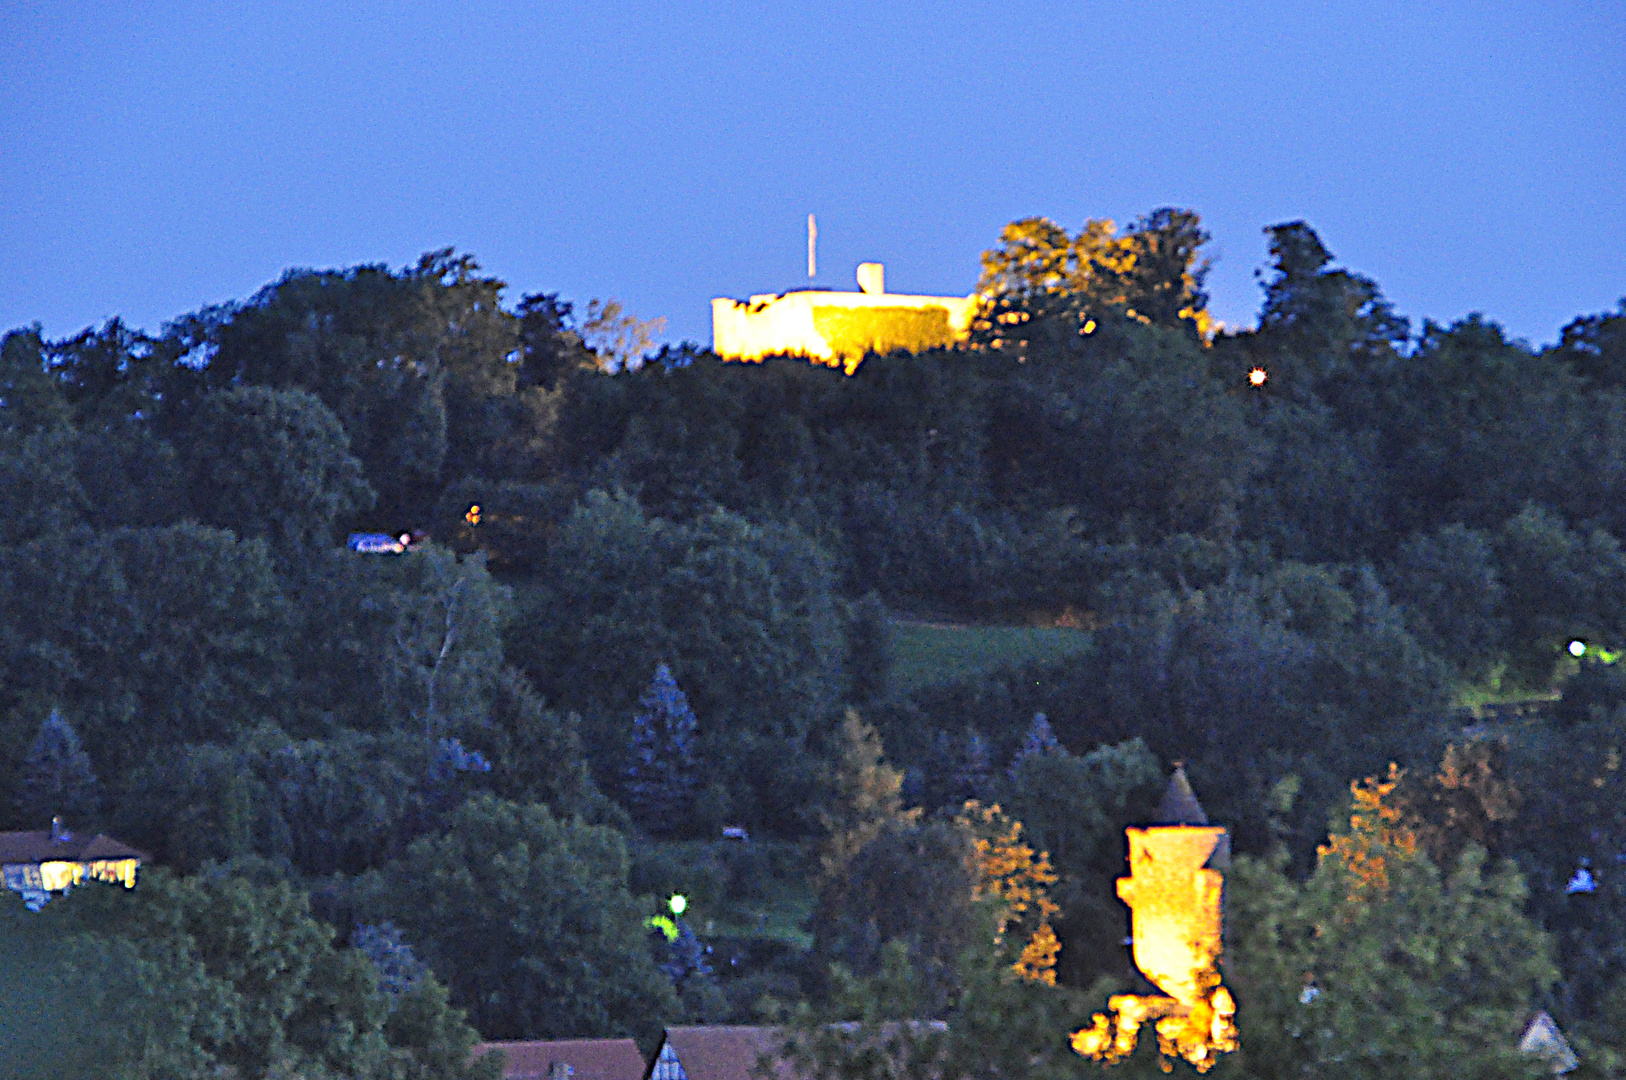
1257	377
679	903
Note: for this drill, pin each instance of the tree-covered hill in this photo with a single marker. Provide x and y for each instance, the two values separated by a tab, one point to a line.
1296	550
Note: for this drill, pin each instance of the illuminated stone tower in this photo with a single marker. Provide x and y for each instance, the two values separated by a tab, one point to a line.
1174	892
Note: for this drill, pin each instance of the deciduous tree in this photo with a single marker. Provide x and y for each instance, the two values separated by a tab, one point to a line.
1074	808
1152	273
527	918
1381	961
189	977
145	636
272	463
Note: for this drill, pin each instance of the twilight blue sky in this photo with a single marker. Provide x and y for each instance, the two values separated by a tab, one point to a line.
158	156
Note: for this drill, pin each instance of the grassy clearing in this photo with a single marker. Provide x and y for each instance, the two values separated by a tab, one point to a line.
1494	691
761	890
781	914
928	654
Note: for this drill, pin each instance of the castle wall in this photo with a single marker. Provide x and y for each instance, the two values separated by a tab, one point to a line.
838	328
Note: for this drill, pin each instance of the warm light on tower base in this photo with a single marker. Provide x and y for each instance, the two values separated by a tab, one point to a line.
1173	893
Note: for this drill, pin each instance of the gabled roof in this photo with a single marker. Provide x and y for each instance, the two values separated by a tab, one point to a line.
38	847
723	1052
1542	1038
589	1059
1179	805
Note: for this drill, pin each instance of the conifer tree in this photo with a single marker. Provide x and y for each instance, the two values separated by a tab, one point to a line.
973	773
661	777
870	650
399	969
686	956
57	775
867	799
1040	740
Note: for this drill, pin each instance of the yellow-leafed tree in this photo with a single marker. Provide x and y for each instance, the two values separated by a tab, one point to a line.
1151	273
867	799
1010	873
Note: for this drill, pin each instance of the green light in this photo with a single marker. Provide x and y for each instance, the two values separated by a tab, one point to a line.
666	926
678	903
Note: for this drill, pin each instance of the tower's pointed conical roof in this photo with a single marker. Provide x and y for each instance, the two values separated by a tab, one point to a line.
1179	805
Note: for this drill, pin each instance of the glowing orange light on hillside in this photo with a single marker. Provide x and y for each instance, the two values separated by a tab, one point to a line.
473	516
1257	377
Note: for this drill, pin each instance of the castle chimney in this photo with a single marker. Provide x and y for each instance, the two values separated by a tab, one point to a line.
59	832
872	278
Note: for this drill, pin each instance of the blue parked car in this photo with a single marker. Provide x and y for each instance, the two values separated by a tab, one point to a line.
379	543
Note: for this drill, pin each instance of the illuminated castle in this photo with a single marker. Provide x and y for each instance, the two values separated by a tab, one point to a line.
838	328
1174	892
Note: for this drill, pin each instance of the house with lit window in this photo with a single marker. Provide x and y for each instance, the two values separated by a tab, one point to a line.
49	862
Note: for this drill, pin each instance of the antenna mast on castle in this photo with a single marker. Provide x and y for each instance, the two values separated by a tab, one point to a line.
812	247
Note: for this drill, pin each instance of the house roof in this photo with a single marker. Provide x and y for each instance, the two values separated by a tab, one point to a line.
722	1052
1542	1038
38	847
1181	808
1179	805
589	1059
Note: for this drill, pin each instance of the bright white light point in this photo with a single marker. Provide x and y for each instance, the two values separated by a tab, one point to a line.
1577	648
1257	377
678	903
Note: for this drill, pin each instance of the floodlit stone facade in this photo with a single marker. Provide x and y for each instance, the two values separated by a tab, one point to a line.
838	328
1174	893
